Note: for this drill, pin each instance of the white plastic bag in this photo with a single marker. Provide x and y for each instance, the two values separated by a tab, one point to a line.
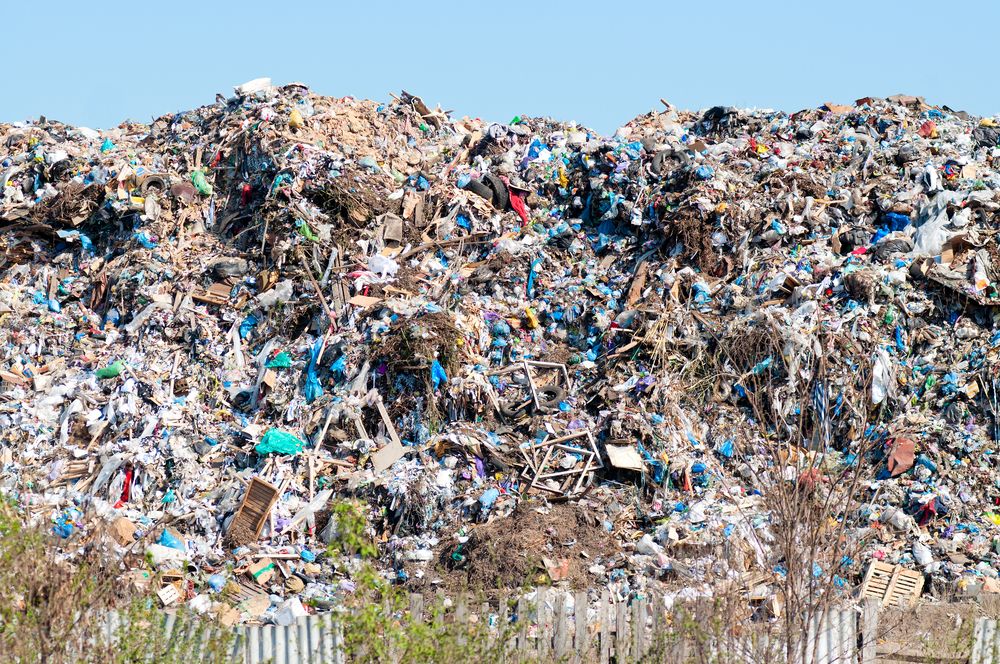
883	376
922	554
383	266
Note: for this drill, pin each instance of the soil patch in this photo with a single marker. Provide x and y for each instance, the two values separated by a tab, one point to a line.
510	552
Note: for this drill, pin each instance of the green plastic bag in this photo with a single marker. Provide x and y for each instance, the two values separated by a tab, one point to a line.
280	361
200	183
306	232
111	371
280	442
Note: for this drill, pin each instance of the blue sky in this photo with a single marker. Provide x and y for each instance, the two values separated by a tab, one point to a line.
600	63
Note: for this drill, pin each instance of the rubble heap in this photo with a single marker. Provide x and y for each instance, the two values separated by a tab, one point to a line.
219	324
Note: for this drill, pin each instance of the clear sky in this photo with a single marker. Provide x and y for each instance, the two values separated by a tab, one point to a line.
97	63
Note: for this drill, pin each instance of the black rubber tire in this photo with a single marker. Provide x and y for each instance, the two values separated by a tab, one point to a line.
512	410
500	196
550	396
480	189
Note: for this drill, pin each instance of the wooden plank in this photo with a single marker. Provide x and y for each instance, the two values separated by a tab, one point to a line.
847	635
581	640
387	611
658	636
503	625
869	628
388	422
604	615
545	460
544	634
522	627
416	608
387	456
484	623
977	641
561	627
989	638
621	632
639	628
682	649
255	508
892	585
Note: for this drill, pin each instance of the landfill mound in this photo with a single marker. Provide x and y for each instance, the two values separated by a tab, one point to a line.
222	324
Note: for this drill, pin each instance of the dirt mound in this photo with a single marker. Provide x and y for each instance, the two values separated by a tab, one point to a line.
511	552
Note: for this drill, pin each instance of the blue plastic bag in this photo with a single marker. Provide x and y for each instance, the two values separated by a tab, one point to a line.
145	241
438	375
166	539
531	277
216	582
313	389
247	326
488	498
897	222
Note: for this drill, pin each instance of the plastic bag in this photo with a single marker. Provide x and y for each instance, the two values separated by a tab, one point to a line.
930	237
882	378
145	240
280	361
313	389
305	231
438	376
488	498
289	611
168	540
282	292
111	371
922	554
383	266
279	442
247	326
200	183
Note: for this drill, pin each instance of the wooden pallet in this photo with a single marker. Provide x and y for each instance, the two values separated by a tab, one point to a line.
892	585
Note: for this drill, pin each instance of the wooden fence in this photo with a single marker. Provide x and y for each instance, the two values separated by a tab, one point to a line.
555	626
559	626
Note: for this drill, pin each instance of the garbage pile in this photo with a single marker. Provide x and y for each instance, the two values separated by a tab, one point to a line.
221	324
